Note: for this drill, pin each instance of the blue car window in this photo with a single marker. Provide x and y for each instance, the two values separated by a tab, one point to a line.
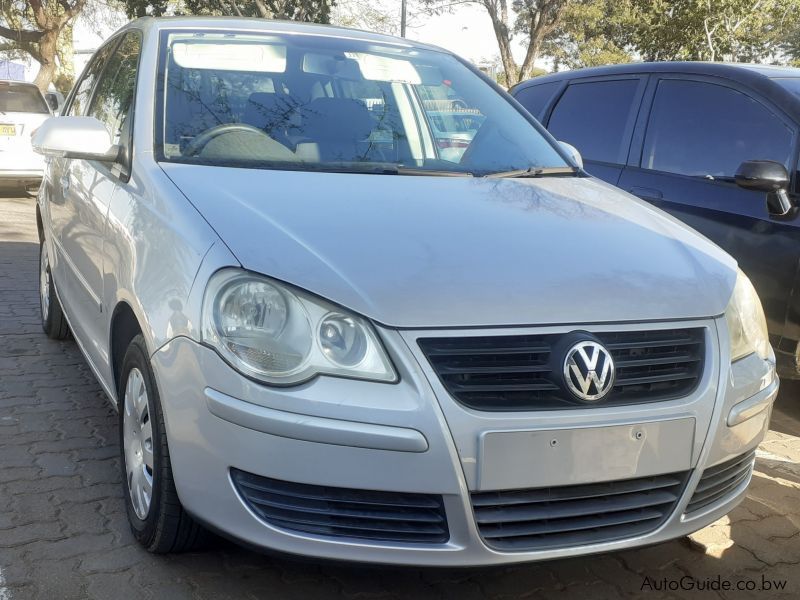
594	117
326	104
707	130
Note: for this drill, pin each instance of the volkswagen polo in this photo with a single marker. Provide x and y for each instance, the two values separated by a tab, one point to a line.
325	337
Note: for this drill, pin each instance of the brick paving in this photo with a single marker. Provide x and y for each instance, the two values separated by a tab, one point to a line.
63	532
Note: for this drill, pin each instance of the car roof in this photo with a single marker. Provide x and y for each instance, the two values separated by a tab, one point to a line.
759	78
739	71
15	83
156	24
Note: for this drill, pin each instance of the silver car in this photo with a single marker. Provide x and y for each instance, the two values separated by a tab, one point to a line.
325	338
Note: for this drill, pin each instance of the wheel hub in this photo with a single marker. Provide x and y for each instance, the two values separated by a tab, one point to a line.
138	443
44	283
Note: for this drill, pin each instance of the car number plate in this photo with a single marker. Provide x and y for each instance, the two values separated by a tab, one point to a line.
8	130
543	458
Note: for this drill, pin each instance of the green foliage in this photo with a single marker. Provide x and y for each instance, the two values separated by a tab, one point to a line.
591	33
605	31
317	11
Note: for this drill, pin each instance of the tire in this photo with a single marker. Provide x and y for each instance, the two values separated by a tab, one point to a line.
159	523
54	322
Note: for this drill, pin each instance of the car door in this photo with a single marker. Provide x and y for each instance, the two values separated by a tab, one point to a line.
598	116
66	209
87	190
692	136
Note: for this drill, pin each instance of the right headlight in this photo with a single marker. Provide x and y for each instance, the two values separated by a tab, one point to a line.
281	335
746	322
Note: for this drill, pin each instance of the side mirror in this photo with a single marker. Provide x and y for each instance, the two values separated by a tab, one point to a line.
75	137
52	101
770	177
573	153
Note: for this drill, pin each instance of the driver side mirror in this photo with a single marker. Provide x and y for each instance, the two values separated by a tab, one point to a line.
573	153
75	137
770	177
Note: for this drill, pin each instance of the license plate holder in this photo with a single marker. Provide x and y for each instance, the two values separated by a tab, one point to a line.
554	457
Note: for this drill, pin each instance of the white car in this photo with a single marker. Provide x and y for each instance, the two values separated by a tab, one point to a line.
22	110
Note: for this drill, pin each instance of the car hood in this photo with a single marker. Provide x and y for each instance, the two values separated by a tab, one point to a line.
410	251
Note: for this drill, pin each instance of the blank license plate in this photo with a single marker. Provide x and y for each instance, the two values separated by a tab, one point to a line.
543	458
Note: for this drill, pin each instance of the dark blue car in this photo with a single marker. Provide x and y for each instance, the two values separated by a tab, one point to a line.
714	144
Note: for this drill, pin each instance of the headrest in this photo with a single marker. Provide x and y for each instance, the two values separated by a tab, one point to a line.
265	110
336	119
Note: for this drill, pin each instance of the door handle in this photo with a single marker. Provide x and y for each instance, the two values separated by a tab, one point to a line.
646	193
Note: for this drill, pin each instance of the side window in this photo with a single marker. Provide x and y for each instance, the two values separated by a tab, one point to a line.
113	98
596	117
535	97
83	89
703	129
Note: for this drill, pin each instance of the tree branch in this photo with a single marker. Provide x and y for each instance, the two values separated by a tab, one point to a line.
29	36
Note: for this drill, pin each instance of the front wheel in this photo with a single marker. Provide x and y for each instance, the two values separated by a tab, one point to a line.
155	513
54	322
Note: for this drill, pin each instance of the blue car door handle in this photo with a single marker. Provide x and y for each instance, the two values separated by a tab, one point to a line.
646	193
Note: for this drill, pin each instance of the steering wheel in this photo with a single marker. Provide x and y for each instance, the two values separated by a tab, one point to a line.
197	145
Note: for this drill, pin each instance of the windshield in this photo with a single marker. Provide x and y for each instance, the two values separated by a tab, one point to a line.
22	99
332	104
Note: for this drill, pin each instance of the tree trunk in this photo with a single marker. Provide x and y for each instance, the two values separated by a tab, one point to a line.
48	45
503	35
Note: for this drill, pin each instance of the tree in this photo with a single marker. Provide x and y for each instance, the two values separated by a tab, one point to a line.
734	30
317	11
39	28
596	32
590	34
535	20
382	16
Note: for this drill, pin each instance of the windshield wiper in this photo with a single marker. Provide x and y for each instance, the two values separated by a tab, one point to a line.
401	170
535	172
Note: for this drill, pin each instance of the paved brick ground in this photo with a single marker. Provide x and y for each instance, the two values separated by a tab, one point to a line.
63	533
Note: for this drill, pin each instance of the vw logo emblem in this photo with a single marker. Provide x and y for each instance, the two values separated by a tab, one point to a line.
589	371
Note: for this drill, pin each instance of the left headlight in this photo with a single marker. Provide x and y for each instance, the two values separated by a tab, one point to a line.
280	335
746	322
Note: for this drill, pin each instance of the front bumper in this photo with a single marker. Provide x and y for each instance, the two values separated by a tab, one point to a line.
412	437
20	177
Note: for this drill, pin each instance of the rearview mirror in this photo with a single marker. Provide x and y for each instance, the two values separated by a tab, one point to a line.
770	177
573	153
75	137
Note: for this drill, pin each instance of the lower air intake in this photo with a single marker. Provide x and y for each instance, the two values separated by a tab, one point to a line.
575	515
344	512
720	480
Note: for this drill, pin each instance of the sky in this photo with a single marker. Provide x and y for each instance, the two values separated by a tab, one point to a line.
467	32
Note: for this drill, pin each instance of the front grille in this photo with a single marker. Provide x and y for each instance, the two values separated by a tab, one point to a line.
559	517
343	512
524	372
720	480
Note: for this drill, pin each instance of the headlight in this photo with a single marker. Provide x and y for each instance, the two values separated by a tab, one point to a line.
746	322
281	335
